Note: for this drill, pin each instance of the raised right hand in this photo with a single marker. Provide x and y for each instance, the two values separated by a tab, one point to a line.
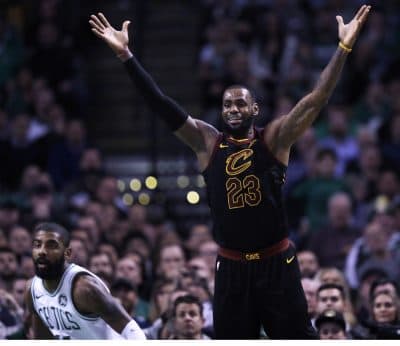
117	40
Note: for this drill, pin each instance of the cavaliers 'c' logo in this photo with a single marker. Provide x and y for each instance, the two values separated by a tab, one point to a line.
236	163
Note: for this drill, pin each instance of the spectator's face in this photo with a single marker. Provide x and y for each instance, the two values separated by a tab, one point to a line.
91	160
117	233
208	251
326	166
376	238
339	211
8	217
27	268
331	330
109	250
30	177
75	132
20	240
330	298
108	219
79	254
89	224
101	265
49	255
107	190
188	321
337	122
384	309
129	269
18	291
388	184
83	236
172	261
8	264
198	235
370	159
308	263
137	216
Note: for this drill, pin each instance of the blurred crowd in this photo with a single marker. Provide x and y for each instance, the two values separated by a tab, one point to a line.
342	188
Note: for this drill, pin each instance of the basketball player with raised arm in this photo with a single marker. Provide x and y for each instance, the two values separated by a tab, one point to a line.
257	280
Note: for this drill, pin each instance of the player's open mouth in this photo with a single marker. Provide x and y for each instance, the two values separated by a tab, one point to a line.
234	121
42	263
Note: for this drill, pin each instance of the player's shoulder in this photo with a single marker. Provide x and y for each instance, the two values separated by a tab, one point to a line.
85	285
83	281
205	126
87	293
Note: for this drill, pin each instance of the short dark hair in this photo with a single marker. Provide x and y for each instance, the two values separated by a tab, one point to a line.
330	316
187	299
7	249
123	284
380	282
328	286
241	86
56	228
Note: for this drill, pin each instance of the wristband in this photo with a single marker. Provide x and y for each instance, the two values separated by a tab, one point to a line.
133	331
344	47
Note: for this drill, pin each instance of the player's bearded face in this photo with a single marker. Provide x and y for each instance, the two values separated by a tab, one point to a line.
49	270
238	111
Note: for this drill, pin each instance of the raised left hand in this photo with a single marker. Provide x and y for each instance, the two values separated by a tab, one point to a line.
348	33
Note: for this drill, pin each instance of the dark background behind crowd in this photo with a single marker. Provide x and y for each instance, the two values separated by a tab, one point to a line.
147	238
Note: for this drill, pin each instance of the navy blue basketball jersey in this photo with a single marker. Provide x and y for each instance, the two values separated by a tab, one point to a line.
244	186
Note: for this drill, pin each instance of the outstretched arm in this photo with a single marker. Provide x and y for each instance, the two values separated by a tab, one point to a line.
91	298
290	127
189	130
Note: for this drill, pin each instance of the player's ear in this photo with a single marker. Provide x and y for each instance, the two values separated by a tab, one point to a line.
255	109
67	253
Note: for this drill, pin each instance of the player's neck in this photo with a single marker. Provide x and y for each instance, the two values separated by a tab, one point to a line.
52	284
242	137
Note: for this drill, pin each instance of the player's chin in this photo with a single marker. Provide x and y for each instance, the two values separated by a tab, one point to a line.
45	273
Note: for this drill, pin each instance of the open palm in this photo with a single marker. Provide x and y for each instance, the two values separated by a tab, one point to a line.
348	33
117	40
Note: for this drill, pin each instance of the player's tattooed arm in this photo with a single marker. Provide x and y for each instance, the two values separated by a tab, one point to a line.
92	299
32	321
306	110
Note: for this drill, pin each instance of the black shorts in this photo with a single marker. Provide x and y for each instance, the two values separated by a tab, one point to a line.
260	293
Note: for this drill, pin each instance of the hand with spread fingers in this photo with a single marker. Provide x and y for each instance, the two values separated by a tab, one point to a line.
348	33
117	40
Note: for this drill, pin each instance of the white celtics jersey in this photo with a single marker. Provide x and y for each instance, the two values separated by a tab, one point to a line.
59	314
